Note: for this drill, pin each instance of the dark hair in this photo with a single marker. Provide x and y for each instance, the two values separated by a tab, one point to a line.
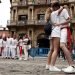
29	42
56	4
4	38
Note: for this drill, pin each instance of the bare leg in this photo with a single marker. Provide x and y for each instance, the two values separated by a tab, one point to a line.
56	44
67	53
50	53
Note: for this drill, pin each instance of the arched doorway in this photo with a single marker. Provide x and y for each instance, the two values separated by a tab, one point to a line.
42	41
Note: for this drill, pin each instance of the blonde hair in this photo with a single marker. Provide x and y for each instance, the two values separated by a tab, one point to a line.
48	14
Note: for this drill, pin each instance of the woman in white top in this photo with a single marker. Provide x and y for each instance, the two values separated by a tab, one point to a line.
55	38
25	46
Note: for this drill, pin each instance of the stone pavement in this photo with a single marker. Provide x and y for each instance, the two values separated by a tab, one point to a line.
30	67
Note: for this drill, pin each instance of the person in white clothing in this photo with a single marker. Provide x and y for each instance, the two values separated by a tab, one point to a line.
13	46
20	43
64	20
55	40
8	45
25	46
4	51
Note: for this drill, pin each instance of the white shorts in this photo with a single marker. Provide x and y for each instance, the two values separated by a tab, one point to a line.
63	38
56	32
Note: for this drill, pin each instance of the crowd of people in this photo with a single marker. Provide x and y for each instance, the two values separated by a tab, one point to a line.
13	47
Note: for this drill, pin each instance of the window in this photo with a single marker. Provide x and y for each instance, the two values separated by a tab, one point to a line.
22	17
23	1
41	16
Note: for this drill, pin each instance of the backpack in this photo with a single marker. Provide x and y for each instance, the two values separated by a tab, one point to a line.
48	28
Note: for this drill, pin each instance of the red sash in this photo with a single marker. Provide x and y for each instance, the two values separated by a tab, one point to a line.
69	39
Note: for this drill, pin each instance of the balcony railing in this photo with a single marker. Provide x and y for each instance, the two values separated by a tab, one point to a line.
34	2
27	22
11	22
71	0
37	2
14	4
22	3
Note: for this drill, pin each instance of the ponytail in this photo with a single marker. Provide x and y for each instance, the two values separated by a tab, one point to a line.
47	14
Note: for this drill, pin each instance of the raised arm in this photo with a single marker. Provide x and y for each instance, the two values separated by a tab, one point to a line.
60	10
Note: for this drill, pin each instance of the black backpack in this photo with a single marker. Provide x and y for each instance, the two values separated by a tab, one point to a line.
48	28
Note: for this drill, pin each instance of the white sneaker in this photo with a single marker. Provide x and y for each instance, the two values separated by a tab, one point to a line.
53	68
69	69
47	67
25	59
20	58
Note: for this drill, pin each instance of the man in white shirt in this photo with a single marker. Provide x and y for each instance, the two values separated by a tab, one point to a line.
64	20
8	46
13	46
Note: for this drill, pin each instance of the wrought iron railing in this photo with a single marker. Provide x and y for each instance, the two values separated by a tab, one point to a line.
33	2
26	22
38	2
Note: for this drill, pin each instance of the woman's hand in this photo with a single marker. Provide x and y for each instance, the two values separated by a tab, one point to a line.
64	26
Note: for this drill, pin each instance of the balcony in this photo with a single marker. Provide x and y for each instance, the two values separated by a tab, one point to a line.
71	0
22	3
34	2
38	2
27	22
14	4
11	22
31	22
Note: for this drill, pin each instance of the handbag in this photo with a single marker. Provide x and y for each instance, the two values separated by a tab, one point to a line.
48	28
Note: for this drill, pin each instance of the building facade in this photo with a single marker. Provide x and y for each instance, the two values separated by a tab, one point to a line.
27	17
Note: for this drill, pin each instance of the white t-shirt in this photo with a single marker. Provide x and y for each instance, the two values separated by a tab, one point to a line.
25	41
55	20
9	40
20	42
63	16
14	43
4	44
55	17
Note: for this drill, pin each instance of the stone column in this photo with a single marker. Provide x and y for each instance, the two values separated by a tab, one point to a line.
71	12
16	15
28	13
32	13
74	10
11	14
